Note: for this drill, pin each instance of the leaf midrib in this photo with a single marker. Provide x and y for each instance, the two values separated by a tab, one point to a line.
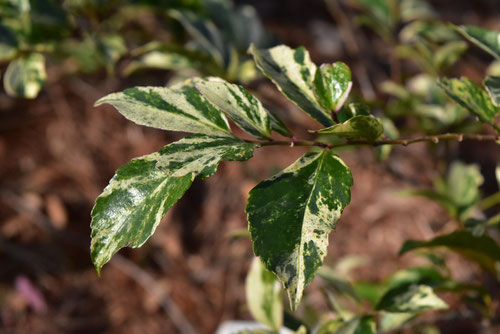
316	176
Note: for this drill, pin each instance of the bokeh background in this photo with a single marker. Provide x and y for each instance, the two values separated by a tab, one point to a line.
58	151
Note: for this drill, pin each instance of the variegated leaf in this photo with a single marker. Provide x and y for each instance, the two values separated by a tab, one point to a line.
241	106
263	293
292	71
201	154
470	96
131	207
291	214
332	84
358	325
488	40
180	108
492	84
25	76
410	298
358	127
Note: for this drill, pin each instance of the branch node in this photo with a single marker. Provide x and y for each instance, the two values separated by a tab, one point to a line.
460	138
435	140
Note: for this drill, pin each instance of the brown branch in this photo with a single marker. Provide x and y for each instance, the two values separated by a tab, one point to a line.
384	141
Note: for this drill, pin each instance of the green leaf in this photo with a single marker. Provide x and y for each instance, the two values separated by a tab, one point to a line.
486	39
338	283
410	298
449	54
390	321
201	154
291	214
181	108
264	296
358	325
462	186
330	326
353	109
483	250
292	72
492	85
358	127
8	43
131	207
415	275
278	125
415	10
205	34
470	96
332	84
241	106
25	76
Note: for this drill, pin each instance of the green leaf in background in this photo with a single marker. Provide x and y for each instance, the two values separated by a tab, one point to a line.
131	207
415	275
459	192
470	96
201	154
390	321
410	298
8	43
492	85
338	283
180	108
410	10
112	47
448	54
486	39
292	71
264	296
236	102
330	326
483	250
358	127
382	11
204	33
358	325
462	186
391	132
277	125
25	76
291	214
332	84
155	55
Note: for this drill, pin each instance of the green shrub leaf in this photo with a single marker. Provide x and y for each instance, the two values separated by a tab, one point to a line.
131	207
292	71
358	325
470	96
241	106
180	108
201	154
483	249
291	214
492	85
264	296
332	84
486	39
277	125
8	43
410	298
25	76
358	127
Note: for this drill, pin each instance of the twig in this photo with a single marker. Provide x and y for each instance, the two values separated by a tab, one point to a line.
384	141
